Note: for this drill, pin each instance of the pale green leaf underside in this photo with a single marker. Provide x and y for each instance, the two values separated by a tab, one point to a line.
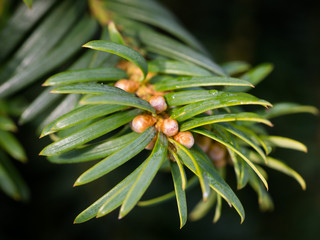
281	167
285	143
281	109
114	34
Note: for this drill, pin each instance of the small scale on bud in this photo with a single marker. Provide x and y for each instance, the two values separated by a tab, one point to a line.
185	138
158	103
151	144
170	127
141	122
127	85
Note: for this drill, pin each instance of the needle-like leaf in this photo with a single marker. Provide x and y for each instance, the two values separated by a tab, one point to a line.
223	100
229	145
95	151
125	100
118	158
254	76
229	117
281	109
285	143
120	50
86	75
202	208
111	200
176	68
235	67
114	34
185	156
90	132
173	49
180	193
172	83
11	181
146	175
79	115
11	145
279	166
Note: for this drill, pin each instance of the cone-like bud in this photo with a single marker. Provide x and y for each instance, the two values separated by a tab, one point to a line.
141	122
158	103
127	85
170	127
185	138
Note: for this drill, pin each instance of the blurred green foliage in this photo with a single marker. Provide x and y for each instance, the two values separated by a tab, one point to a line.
281	32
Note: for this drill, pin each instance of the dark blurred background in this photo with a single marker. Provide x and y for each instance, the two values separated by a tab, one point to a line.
285	33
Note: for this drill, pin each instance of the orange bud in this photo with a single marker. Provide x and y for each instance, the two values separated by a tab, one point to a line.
170	127
158	103
141	122
185	138
127	85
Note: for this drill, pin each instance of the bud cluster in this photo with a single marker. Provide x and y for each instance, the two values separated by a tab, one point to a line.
215	150
162	121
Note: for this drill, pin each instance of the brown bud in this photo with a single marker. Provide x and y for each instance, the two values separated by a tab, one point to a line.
170	127
135	73
218	153
158	103
127	85
203	142
185	138
124	65
141	122
159	123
